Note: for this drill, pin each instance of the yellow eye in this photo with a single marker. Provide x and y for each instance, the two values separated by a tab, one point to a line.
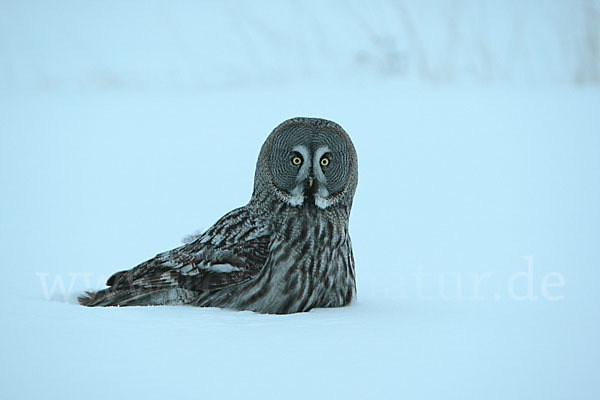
296	160
324	161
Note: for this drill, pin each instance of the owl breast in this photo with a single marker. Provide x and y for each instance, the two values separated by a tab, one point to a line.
310	265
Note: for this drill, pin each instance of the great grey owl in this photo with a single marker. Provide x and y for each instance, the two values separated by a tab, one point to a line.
288	250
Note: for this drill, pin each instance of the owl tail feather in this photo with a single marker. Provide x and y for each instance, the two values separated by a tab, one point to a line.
133	296
107	298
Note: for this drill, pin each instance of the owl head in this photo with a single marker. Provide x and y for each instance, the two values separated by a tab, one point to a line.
308	162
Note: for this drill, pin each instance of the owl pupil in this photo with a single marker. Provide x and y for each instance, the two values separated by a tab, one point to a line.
296	160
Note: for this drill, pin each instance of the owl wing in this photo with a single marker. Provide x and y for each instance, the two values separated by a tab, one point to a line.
232	251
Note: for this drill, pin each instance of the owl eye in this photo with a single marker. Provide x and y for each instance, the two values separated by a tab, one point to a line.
296	160
325	161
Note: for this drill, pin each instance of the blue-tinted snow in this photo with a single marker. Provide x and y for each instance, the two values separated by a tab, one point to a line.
126	126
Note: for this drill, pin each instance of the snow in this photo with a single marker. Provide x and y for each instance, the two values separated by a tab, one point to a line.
475	224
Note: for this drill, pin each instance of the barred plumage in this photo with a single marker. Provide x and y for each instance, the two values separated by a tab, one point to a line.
288	250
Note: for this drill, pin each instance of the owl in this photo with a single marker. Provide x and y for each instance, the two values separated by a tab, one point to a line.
288	250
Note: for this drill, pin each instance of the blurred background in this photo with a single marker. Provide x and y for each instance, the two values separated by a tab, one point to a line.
127	125
198	45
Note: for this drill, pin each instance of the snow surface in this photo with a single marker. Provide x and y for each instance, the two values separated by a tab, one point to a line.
475	226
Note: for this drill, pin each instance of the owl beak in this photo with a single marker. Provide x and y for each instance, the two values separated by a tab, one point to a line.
310	182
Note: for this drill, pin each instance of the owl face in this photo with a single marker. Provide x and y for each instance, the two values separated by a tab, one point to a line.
312	161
